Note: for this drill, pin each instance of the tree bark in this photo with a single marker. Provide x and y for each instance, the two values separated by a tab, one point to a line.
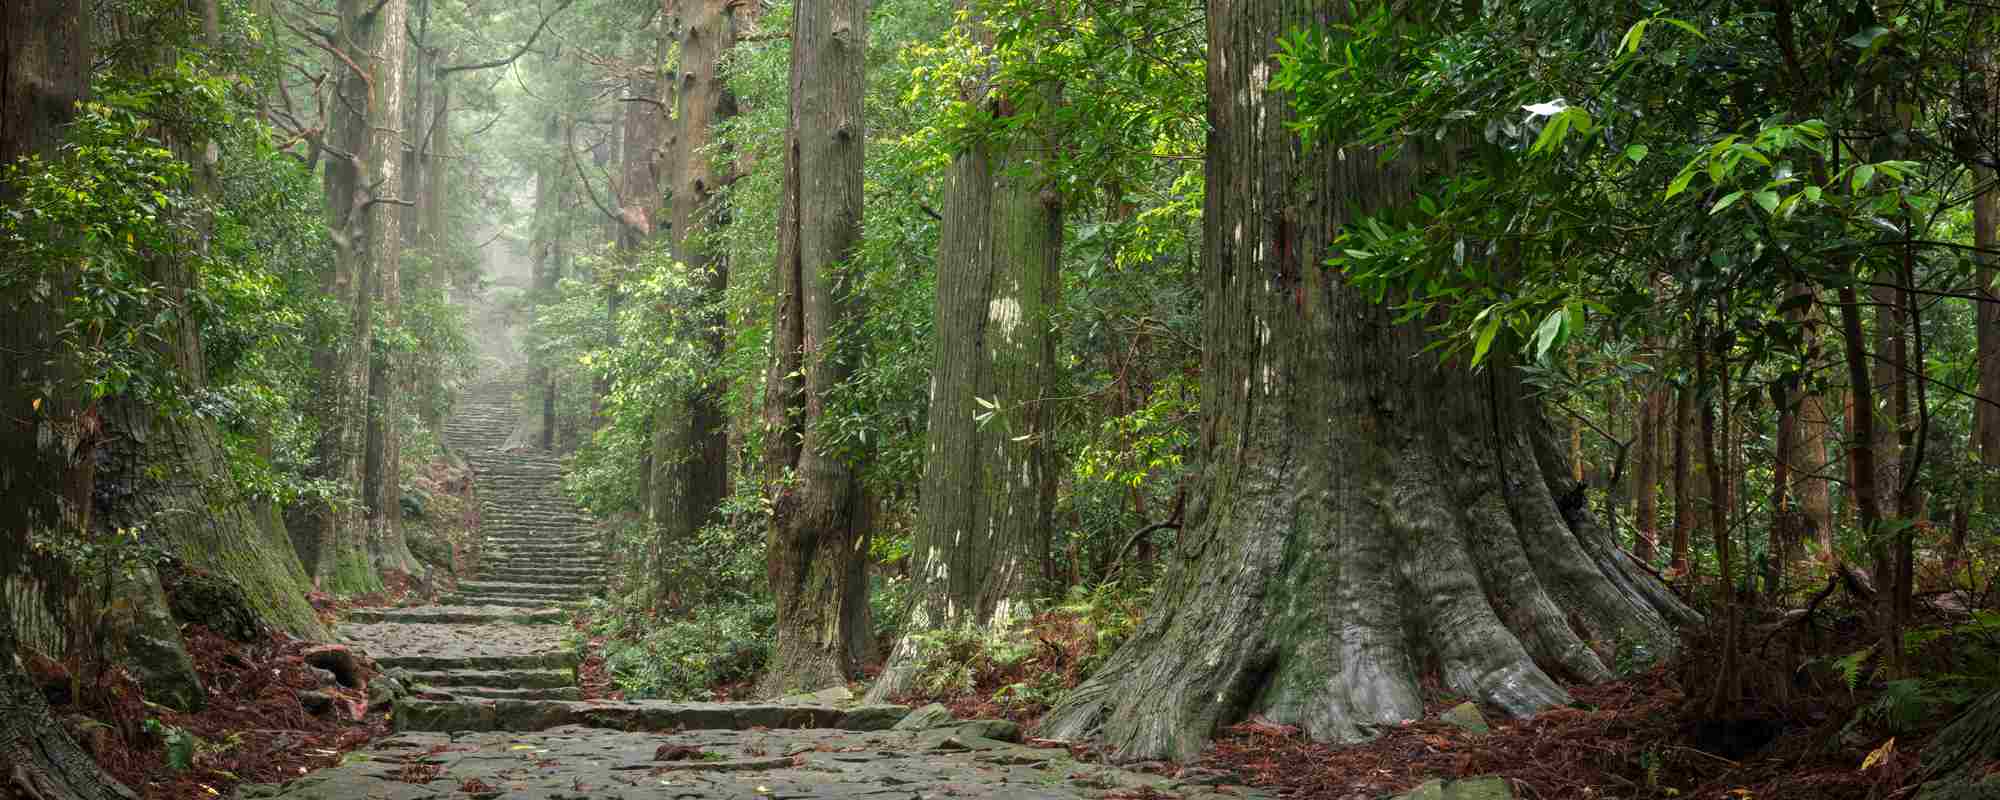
691	463
1646	477
981	511
45	452
1683	480
1364	511
382	474
1810	487
814	487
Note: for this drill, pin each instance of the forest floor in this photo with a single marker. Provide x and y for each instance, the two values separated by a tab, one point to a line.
1639	737
1631	738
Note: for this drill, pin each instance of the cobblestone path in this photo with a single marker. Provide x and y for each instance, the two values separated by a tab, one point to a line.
491	708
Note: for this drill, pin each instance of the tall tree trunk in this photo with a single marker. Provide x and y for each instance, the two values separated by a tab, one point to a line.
1363	509
1986	235
691	459
813	484
1684	489
382	477
1811	488
362	178
1646	477
1727	691
45	448
166	473
981	509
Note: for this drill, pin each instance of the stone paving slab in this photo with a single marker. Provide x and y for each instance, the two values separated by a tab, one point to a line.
504	714
581	764
458	615
435	647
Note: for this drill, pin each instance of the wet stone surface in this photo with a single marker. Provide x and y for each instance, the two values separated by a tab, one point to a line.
578	763
444	646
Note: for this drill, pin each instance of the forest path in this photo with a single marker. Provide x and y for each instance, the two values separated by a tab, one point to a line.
492	704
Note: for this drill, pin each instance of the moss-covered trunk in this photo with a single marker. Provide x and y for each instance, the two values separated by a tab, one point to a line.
815	491
46	442
1365	514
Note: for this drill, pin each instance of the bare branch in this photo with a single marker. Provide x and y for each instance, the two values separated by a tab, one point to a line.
501	62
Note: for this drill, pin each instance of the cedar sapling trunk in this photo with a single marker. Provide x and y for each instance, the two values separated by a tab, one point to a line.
1362	509
814	487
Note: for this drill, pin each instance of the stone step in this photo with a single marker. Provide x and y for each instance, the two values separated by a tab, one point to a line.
525	588
424	662
459	615
540	545
571	693
522	602
497	679
470	714
526	574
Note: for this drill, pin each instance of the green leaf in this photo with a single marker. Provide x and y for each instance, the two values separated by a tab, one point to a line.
1631	41
1862	175
1680	182
1768	199
1486	335
1550	332
1866	39
1636	153
1726	201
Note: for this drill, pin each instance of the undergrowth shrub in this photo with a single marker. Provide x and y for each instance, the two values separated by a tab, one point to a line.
686	657
1021	665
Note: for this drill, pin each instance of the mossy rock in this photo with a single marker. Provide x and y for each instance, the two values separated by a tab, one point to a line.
210	600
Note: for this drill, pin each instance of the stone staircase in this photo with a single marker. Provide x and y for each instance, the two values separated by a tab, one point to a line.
488	704
493	657
499	638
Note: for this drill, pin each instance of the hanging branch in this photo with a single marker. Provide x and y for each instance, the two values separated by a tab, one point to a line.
585	179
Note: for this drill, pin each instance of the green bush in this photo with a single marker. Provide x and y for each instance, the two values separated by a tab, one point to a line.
686	658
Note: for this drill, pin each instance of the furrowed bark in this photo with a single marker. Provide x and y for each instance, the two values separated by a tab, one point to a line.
45	464
691	465
982	506
815	491
1365	512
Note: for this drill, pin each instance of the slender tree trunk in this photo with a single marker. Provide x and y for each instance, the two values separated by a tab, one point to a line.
1363	509
691	461
1684	489
1810	487
1646	480
1728	689
981	510
814	483
381	478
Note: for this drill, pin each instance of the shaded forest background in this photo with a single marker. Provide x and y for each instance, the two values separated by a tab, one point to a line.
958	428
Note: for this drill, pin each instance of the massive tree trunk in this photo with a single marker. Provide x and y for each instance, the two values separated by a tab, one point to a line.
982	509
1365	514
164	472
45	447
815	489
691	459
